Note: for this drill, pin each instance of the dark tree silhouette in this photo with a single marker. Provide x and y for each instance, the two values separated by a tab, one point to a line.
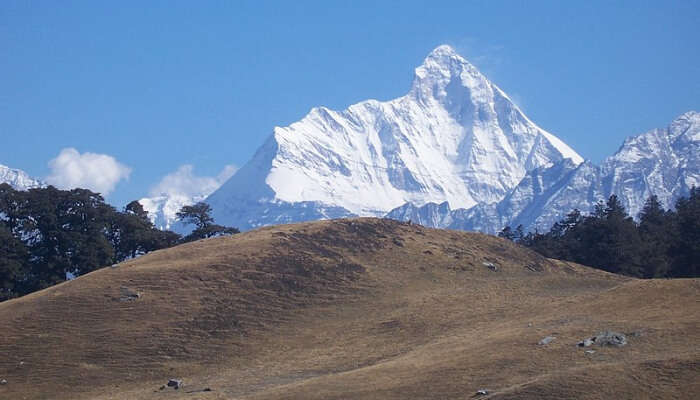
686	262
47	233
199	216
14	260
663	243
656	230
507	233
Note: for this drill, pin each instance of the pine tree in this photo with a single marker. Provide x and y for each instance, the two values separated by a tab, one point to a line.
686	249
617	246
657	234
664	244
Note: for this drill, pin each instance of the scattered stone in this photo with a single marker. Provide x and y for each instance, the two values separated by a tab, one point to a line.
606	338
481	392
590	351
129	295
3	382
490	266
529	324
175	383
609	338
115	265
546	340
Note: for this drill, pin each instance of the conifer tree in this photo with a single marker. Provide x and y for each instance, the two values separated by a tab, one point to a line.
657	233
686	262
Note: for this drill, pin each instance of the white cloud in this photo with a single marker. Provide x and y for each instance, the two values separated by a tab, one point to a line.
183	182
97	172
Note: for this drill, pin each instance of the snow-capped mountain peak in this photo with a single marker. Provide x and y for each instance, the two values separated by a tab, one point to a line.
442	70
18	179
454	137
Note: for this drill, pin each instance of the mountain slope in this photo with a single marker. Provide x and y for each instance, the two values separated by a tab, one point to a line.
350	309
18	179
663	162
454	137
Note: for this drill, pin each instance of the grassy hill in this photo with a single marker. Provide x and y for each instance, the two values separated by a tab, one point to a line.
350	309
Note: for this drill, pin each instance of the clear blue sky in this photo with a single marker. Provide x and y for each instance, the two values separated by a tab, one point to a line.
161	84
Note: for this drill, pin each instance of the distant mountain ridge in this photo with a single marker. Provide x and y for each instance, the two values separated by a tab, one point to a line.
18	179
664	162
454	137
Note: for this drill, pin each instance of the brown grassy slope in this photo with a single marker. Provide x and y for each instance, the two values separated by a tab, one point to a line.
350	309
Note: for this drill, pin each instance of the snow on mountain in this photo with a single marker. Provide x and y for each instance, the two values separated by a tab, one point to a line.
18	179
541	198
162	210
455	137
664	162
178	189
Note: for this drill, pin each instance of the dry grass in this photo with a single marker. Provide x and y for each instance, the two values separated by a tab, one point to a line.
350	309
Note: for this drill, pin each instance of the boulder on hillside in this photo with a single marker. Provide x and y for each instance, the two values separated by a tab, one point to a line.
175	383
547	340
605	338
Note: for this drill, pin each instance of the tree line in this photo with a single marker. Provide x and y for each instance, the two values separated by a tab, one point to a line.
48	235
663	244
